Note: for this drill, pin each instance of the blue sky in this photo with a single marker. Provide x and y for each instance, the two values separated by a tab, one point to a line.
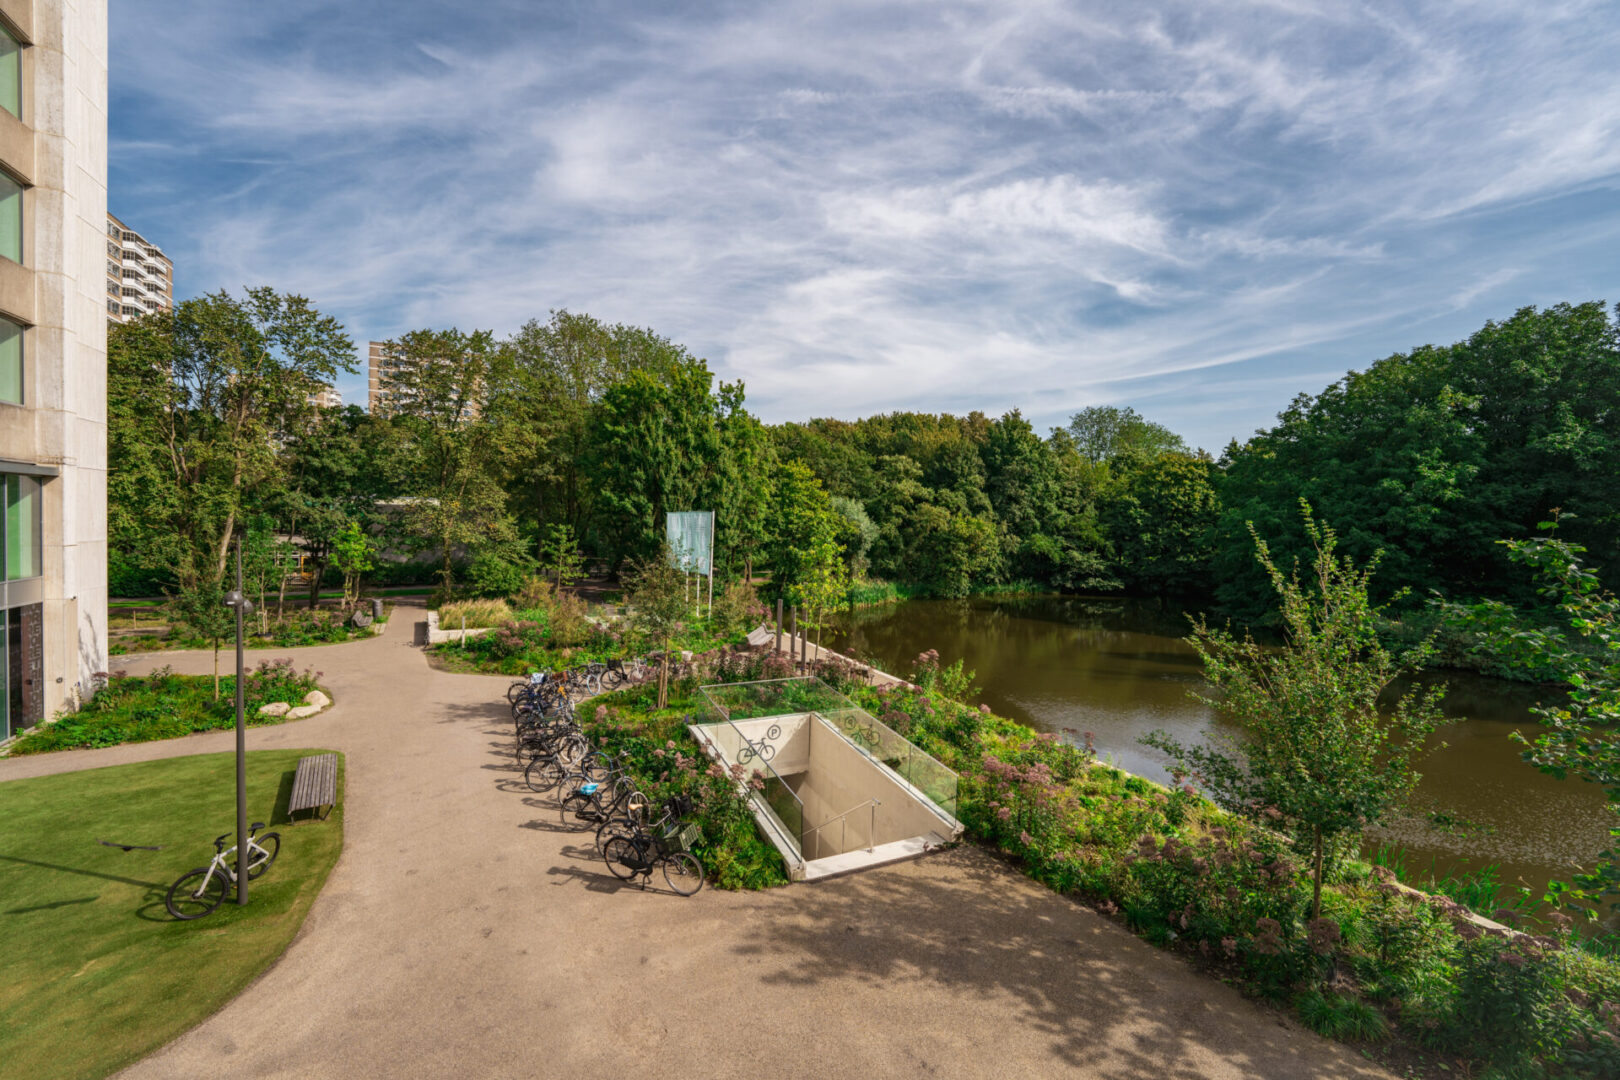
1196	209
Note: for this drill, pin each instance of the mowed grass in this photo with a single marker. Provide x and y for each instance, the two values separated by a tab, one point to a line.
94	973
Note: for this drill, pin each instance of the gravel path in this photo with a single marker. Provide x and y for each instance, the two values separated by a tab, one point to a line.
464	934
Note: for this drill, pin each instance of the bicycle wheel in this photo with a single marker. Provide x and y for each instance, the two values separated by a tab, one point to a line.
575	807
197	893
543	774
612	679
258	864
621	827
683	872
622	858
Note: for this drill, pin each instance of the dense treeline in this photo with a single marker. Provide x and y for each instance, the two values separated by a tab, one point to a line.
575	434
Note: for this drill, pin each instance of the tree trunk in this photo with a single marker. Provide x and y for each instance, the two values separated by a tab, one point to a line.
1316	898
216	669
317	571
663	678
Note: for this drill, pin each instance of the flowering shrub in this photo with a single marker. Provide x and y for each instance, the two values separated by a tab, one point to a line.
164	705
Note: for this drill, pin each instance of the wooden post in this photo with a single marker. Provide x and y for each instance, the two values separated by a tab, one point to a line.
793	638
778	624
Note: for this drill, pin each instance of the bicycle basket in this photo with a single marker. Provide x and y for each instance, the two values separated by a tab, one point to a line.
682	839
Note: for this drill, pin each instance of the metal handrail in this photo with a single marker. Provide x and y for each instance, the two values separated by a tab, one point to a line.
871	828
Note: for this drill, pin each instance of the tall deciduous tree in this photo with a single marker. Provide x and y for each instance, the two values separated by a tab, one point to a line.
655	447
1435	454
443	382
199	399
1102	433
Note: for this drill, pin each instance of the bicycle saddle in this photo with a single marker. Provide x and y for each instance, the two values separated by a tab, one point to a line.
256	826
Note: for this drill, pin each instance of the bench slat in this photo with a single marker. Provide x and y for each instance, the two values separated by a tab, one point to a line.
314	783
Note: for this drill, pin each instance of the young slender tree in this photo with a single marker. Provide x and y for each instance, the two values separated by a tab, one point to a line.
201	609
823	587
353	555
658	604
1318	756
560	559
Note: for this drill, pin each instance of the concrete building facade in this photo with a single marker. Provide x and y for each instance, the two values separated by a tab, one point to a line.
53	355
140	278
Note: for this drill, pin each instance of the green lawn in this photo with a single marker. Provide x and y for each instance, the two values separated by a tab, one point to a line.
94	973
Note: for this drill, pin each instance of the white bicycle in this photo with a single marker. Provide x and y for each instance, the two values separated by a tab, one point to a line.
200	891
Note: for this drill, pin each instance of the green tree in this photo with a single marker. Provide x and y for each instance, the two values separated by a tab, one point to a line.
1161	517
658	605
200	611
802	520
823	586
1317	756
559	556
1580	734
1102	433
341	468
354	556
442	383
199	399
1435	454
655	447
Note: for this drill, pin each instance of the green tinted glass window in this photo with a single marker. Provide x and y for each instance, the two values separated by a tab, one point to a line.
11	218
10	74
22	532
11	362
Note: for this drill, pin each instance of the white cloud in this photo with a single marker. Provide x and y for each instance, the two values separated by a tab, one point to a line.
862	207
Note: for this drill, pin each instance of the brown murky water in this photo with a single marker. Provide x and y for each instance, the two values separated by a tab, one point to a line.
1119	669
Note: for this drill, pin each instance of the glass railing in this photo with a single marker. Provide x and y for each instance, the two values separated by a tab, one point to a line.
730	702
918	768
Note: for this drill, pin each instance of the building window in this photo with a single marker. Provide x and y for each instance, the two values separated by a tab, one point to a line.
112	307
10	74
131	309
11	362
11	219
22	526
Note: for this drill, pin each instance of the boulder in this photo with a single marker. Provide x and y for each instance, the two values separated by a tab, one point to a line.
317	699
275	708
302	711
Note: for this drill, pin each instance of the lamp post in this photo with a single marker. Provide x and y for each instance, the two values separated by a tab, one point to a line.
237	601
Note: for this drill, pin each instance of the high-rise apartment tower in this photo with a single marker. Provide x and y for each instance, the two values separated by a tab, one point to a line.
140	278
53	355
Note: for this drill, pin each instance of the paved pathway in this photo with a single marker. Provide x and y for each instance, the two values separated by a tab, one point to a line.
463	934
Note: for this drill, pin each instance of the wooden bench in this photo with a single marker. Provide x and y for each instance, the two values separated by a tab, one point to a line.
314	785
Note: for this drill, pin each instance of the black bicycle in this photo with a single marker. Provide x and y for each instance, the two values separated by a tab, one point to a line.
664	845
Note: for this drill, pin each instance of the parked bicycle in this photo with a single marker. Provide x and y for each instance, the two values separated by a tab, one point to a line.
663	845
198	892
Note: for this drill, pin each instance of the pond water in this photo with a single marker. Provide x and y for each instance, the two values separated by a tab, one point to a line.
1119	669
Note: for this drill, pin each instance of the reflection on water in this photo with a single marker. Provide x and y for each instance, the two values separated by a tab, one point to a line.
1119	669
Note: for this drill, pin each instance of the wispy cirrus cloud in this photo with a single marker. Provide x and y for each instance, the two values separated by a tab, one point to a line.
859	207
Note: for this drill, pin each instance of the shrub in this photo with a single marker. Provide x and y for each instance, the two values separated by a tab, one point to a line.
1509	1007
164	705
493	575
1402	949
738	607
1340	1016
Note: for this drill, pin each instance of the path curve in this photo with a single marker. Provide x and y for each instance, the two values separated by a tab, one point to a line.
463	934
